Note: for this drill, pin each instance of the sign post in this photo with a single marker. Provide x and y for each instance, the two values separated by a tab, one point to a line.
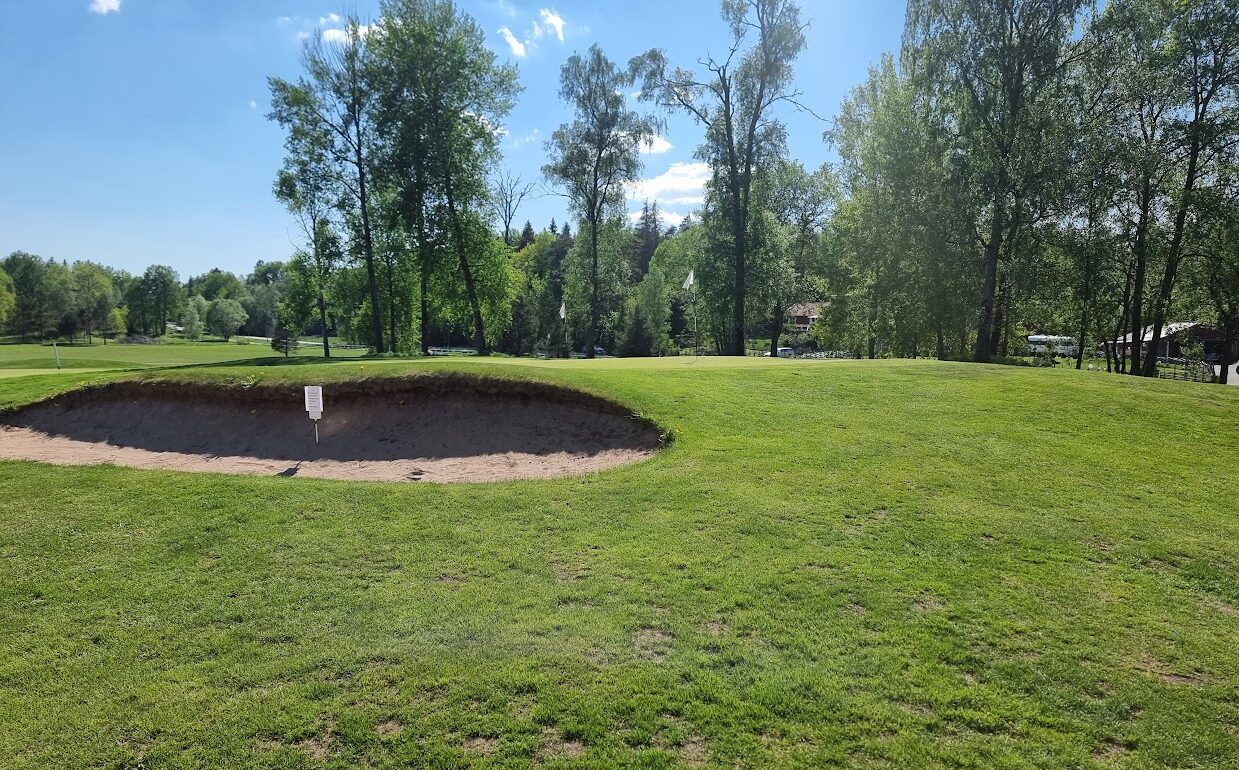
314	405
56	350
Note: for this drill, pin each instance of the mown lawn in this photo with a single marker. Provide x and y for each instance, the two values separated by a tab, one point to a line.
867	564
34	358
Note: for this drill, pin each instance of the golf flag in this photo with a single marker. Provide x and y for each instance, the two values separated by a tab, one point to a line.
563	310
689	281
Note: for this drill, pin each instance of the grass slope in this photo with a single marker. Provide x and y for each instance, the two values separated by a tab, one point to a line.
869	564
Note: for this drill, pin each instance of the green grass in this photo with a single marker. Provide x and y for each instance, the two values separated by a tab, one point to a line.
36	358
837	563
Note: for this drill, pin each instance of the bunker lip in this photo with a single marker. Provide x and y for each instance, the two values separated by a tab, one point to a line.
433	428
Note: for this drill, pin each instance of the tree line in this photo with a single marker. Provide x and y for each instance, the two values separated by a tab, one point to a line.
1029	166
1040	165
45	299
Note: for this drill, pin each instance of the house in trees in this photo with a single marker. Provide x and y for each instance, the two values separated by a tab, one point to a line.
1174	336
802	316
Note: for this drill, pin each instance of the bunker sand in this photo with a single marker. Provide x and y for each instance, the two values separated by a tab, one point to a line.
450	430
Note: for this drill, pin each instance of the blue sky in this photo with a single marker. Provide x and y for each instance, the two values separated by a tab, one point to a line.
133	132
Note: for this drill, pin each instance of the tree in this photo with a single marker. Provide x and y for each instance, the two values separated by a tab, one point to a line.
192	322
1202	54
593	157
8	299
283	340
508	191
442	96
224	317
31	313
998	62
311	274
334	102
154	299
734	100
92	296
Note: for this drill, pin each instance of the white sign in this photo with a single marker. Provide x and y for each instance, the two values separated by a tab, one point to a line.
314	401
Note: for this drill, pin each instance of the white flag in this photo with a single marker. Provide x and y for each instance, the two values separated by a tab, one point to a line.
689	281
563	310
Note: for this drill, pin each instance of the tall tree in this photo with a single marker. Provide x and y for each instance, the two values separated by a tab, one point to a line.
593	157
308	188
443	96
1203	48
998	61
335	99
734	99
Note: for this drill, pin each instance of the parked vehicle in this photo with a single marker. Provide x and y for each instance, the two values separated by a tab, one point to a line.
1039	344
787	353
599	351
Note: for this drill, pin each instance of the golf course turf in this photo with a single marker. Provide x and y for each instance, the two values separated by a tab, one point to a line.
834	563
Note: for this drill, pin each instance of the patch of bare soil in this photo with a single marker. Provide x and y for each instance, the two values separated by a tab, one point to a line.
436	429
480	744
555	745
1156	667
389	729
652	644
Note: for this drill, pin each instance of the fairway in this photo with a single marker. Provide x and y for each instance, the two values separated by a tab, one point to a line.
872	564
18	360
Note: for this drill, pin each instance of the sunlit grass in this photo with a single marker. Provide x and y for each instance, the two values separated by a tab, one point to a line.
875	564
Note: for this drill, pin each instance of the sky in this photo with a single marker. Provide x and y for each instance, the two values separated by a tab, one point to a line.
134	132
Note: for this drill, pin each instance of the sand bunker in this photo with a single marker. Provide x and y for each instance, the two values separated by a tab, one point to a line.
438	429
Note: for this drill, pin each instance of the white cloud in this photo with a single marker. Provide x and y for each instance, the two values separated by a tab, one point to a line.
303	35
681	184
104	7
505	7
666	216
657	146
331	18
253	104
284	19
552	19
518	48
341	35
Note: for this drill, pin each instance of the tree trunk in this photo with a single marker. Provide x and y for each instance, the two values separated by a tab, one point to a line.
591	336
1141	252
367	242
1162	304
462	253
985	328
776	328
322	320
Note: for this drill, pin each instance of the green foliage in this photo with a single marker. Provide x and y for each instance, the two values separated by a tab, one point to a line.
8	299
283	341
224	317
192	322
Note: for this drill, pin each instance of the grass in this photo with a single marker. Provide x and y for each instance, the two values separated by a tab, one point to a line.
38	358
842	563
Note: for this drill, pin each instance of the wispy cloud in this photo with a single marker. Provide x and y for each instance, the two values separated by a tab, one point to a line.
551	25
518	47
505	7
337	35
331	18
104	7
552	19
253	104
524	139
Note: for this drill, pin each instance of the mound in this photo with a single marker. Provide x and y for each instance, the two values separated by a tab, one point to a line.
439	429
